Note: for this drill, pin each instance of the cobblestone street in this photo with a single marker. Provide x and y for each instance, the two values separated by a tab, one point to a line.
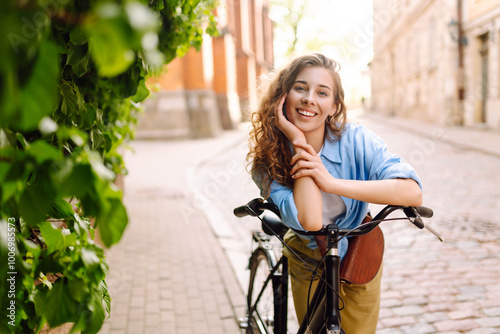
428	286
450	287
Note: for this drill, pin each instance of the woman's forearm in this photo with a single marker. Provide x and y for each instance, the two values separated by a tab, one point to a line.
309	203
389	192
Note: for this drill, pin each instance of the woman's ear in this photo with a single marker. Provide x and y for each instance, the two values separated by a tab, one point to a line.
334	109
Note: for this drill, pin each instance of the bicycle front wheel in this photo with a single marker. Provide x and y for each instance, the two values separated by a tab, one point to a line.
260	298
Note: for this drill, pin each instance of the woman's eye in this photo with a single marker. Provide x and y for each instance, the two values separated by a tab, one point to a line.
299	88
323	93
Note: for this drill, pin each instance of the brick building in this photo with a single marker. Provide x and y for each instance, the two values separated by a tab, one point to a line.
212	89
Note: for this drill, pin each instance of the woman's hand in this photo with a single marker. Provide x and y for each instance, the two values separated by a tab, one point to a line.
308	163
293	133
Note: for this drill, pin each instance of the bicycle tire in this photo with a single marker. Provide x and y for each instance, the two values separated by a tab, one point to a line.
261	319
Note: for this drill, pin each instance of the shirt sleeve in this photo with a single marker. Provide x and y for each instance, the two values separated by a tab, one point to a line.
379	163
282	197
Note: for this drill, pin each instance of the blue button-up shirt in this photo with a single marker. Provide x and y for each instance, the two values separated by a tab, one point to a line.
358	155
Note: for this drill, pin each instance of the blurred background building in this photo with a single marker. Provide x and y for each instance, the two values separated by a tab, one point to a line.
437	60
212	89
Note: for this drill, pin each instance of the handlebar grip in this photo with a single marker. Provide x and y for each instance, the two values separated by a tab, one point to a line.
424	211
240	211
253	208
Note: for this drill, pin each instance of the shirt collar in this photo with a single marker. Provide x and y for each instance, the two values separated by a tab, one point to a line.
331	151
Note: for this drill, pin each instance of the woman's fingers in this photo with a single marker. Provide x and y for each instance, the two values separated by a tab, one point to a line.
279	110
307	153
302	164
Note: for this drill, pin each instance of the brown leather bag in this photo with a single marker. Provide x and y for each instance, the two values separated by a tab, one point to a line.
364	256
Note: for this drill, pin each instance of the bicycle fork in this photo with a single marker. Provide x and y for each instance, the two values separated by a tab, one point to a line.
332	267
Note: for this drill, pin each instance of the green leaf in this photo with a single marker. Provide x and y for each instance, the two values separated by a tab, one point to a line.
42	152
89	115
53	237
79	181
57	305
97	315
78	36
98	167
90	259
112	47
78	59
33	248
69	98
79	289
38	96
103	288
112	222
61	209
36	201
142	92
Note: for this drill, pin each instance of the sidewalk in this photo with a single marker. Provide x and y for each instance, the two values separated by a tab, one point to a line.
170	273
473	138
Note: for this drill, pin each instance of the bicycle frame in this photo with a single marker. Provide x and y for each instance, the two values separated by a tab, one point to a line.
329	309
319	308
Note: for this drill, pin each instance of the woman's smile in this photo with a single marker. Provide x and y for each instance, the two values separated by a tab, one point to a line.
306	113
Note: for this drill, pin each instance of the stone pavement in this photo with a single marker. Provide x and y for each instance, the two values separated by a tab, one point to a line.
450	287
171	274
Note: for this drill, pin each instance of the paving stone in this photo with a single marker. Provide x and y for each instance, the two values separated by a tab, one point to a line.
489	322
420	328
463	314
485	331
390	303
408	310
454	325
399	321
389	331
492	312
432	317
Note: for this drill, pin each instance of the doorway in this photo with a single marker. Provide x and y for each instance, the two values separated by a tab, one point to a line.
483	55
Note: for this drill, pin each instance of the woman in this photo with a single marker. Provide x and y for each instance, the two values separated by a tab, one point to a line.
318	169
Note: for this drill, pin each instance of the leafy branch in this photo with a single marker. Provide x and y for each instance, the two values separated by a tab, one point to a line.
72	78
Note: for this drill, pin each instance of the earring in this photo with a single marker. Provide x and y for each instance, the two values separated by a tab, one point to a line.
329	119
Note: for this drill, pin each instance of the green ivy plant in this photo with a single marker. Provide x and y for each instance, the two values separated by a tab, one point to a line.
72	76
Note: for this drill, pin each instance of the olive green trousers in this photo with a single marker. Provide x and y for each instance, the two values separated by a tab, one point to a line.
361	302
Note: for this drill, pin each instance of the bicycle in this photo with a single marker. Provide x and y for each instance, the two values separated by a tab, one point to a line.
267	297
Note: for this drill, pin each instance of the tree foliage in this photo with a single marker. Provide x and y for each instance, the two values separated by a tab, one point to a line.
71	78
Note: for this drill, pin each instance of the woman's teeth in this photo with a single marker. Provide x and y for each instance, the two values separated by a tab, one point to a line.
306	113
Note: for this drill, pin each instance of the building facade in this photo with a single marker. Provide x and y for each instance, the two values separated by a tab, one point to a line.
212	89
481	63
429	60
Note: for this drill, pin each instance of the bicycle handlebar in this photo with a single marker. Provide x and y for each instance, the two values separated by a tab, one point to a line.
257	206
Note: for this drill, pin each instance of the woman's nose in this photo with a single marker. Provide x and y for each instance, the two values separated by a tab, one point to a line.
308	99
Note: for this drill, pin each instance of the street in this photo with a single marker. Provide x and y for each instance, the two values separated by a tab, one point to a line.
428	286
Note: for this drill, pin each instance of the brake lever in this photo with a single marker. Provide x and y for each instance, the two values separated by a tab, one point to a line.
413	216
433	231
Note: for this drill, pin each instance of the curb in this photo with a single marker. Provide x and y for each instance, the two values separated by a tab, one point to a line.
438	132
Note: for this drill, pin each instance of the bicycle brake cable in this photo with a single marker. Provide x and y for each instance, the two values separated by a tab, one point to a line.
313	271
371	222
282	241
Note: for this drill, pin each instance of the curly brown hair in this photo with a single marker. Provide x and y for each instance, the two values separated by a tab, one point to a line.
270	151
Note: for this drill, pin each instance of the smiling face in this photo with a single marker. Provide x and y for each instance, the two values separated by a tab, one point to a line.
310	101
